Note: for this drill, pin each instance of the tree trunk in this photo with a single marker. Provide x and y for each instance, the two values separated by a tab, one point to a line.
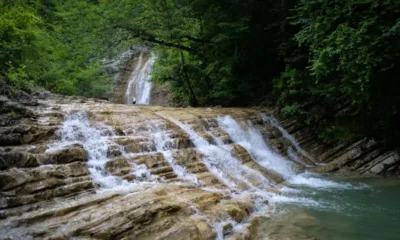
192	97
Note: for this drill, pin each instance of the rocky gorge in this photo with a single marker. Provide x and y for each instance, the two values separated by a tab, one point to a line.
77	168
86	168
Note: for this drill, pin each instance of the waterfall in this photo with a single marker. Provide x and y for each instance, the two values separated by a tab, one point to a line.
269	119
237	180
163	143
96	140
133	77
253	142
84	167
241	180
220	161
139	85
218	158
143	86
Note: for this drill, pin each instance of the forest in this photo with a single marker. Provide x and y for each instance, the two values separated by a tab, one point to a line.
331	63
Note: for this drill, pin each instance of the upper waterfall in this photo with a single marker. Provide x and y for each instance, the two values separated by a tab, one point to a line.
139	85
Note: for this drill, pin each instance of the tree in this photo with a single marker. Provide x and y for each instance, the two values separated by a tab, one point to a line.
353	60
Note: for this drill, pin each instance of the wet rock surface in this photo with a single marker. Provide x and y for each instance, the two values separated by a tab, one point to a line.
365	157
153	172
161	96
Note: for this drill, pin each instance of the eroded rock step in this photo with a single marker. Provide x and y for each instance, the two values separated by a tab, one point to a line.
52	194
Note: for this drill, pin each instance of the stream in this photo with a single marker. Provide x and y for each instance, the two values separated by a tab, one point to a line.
113	171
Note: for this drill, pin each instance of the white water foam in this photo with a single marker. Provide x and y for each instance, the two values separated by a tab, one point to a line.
273	122
96	140
143	85
254	143
133	77
230	171
221	163
163	143
255	175
316	182
303	201
218	226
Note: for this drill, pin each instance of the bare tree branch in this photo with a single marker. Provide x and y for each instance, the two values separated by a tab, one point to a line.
144	35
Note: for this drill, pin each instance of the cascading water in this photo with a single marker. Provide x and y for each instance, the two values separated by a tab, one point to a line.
269	119
228	169
254	143
128	94
143	85
96	140
121	172
240	180
139	85
163	143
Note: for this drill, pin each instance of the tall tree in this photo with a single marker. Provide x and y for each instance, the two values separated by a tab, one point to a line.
352	59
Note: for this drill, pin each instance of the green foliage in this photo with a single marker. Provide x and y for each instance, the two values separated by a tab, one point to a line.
19	33
333	63
353	57
169	69
291	110
37	47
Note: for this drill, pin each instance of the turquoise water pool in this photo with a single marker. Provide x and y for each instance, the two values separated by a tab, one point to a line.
349	209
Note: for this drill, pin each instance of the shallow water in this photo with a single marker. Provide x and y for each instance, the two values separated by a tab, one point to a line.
354	209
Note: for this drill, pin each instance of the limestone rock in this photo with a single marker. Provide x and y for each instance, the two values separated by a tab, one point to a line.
68	155
174	191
